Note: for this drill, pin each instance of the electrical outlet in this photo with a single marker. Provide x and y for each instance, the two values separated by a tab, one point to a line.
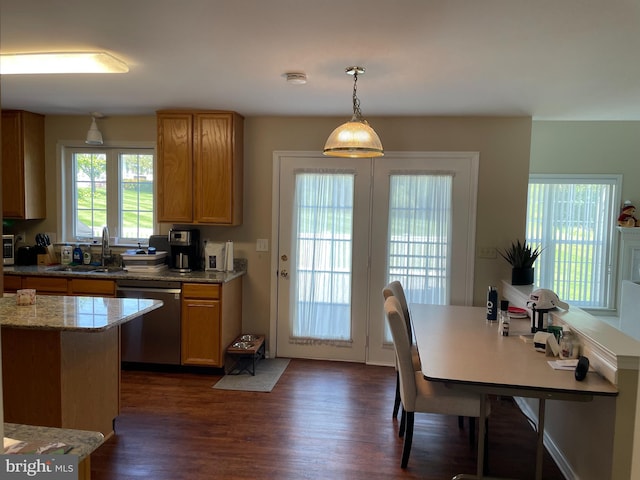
21	237
487	252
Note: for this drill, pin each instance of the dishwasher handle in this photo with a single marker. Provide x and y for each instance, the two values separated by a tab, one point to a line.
177	291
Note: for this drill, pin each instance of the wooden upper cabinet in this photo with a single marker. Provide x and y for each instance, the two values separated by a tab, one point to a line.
200	167
23	169
175	167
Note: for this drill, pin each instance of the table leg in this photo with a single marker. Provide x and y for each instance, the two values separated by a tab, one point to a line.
482	420
481	435
540	444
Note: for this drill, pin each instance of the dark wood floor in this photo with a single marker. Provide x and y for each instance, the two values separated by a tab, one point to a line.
323	420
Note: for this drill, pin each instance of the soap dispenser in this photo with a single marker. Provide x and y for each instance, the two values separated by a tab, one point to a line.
77	255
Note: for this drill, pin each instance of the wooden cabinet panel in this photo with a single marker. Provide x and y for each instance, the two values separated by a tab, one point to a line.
201	332
46	285
217	168
211	319
175	167
209	291
12	283
200	167
63	286
23	166
62	379
99	288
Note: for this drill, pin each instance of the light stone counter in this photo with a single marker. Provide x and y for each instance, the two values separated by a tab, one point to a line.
73	313
84	442
240	269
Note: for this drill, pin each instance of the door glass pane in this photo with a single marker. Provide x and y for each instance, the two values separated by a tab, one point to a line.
90	199
420	236
323	232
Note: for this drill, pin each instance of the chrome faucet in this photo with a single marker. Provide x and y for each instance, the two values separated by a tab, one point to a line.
105	246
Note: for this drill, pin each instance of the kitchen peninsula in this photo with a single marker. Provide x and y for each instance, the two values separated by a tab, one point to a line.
61	359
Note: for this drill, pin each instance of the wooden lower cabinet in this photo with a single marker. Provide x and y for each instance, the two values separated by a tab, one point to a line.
62	379
92	288
12	283
46	285
211	320
61	286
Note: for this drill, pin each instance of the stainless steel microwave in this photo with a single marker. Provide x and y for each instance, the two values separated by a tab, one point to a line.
8	249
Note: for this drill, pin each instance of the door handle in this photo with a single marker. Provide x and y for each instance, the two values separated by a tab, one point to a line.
284	274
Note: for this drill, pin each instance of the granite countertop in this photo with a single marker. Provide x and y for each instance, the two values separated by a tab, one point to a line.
73	313
84	442
118	274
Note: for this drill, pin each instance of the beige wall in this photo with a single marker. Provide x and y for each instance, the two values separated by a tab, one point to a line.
589	147
503	143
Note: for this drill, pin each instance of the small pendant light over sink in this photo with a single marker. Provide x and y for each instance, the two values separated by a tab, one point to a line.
94	137
355	138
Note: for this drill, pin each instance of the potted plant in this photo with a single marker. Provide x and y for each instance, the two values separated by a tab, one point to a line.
521	256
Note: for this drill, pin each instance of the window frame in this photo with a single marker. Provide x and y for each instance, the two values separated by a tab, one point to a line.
610	285
65	202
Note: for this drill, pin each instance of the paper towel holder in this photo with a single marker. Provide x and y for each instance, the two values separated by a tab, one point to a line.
228	256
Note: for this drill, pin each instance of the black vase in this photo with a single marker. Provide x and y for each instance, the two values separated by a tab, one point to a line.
522	276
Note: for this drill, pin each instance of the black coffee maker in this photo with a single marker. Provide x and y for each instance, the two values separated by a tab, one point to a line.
185	250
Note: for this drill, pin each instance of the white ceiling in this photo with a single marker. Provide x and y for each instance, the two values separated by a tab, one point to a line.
551	59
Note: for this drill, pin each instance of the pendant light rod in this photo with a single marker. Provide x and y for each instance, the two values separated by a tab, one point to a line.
355	71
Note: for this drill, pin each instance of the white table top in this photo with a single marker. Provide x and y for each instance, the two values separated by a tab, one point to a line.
458	345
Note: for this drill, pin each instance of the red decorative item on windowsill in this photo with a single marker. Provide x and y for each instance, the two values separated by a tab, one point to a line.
627	215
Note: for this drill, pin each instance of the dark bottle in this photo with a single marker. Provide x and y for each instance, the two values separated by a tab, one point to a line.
492	304
77	255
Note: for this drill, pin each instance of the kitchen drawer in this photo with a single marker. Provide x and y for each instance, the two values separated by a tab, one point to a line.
101	288
201	290
12	283
44	285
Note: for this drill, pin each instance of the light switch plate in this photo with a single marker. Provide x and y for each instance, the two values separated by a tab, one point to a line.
487	252
262	245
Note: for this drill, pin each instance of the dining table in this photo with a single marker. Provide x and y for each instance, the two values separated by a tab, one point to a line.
458	346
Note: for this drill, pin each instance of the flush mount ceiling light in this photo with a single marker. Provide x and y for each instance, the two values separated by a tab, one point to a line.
296	78
94	137
355	138
60	62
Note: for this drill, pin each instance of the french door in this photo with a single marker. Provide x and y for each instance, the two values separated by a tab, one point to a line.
346	227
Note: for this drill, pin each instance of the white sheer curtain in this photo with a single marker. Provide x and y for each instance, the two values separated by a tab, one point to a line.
323	232
419	241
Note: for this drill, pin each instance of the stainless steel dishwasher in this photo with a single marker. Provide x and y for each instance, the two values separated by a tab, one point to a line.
155	336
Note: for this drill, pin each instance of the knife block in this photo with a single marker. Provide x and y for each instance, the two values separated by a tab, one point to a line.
48	257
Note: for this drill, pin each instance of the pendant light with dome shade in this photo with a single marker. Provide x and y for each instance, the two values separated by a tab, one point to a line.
355	138
94	137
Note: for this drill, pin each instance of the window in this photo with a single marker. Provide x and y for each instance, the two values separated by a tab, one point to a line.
112	187
572	218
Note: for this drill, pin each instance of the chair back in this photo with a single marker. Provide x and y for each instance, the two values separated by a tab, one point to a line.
397	325
395	288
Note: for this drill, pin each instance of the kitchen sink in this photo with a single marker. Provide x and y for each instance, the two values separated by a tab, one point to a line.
85	269
107	270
